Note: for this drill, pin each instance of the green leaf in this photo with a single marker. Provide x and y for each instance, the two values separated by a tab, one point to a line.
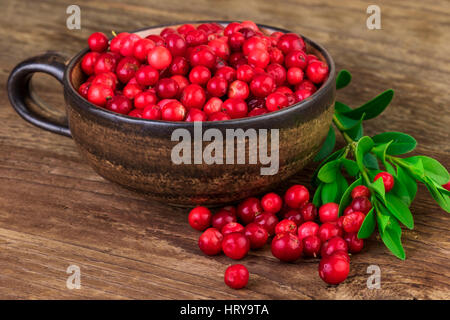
345	199
389	168
370	161
328	145
380	150
368	225
343	79
350	166
378	187
401	191
414	165
329	192
434	170
400	210
365	144
401	142
372	108
392	238
356	132
383	215
408	181
335	155
341	107
346	123
317	199
442	199
342	187
329	171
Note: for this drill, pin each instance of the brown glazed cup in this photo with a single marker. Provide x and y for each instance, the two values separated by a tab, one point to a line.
136	153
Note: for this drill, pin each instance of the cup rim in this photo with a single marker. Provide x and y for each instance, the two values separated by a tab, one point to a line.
303	105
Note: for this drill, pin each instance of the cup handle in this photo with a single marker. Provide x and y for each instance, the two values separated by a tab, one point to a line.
20	91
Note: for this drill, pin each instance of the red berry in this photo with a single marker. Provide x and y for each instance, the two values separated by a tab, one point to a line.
355	245
268	221
296	196
98	42
256	234
213	105
221	218
231	28
307	85
302	94
193	96
244	73
196	37
235	108
328	231
167	88
276	56
271	202
159	58
202	56
360	191
131	90
227	73
290	42
238	89
195	114
286	247
388	180
286	225
144	99
185	28
295	216
361	204
210	242
334	269
116	42
200	75
329	212
126	69
277	72
176	44
127	44
137	113
446	186
257	112
84	89
348	210
253	43
236	276
220	48
119	104
332	245
262	85
88	62
200	218
296	58
107	78
295	76
151	112
258	58
218	116
308	212
317	71
217	87
147	76
158	40
308	228
232	227
236	40
235	245
141	49
276	101
173	111
248	209
106	62
99	94
353	221
311	246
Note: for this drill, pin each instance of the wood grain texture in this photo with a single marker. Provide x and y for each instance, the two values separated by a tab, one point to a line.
55	211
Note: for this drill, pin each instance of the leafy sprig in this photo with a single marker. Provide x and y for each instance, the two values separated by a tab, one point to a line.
363	158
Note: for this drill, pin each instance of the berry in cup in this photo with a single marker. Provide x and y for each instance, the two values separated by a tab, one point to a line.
217	69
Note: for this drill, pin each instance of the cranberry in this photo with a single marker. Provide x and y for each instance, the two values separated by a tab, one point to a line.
334	269
311	58
151	112
195	114
107	78
147	76
246	32
361	204
360	191
116	42
185	28
193	96
238	89
295	76
227	73
355	245
84	89
332	245
231	28
286	225
235	245
271	202
230	209
308	212
158	40
388	180
88	62
202	56
127	44
196	37
235	108
236	276
328	231
166	32
213	105
236	40
248	209
218	116
253	43
200	218
182	81
232	227
296	58
119	104
144	99
244	73
302	94
258	58
173	111
289	42
308	228
210	242
126	69
221	218
131	90
286	247
348	210
295	216
262	85
329	212
176	44
276	56
159	58
98	42
247	24
446	186
256	103
317	71
276	101
257	112
220	48
268	221
277	72
167	88
217	87
237	59
137	113
306	85
353	221
342	254
106	62
99	94
141	49
296	196
200	75
256	234
179	66
311	246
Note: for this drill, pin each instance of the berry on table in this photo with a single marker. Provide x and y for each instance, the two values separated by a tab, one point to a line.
248	209
200	218
286	247
271	202
210	242
235	245
334	269
296	196
286	225
256	234
329	212
236	276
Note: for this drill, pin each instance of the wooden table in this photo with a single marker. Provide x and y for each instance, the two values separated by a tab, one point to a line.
55	211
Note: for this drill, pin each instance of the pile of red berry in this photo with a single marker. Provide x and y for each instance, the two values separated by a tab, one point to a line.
295	225
204	73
